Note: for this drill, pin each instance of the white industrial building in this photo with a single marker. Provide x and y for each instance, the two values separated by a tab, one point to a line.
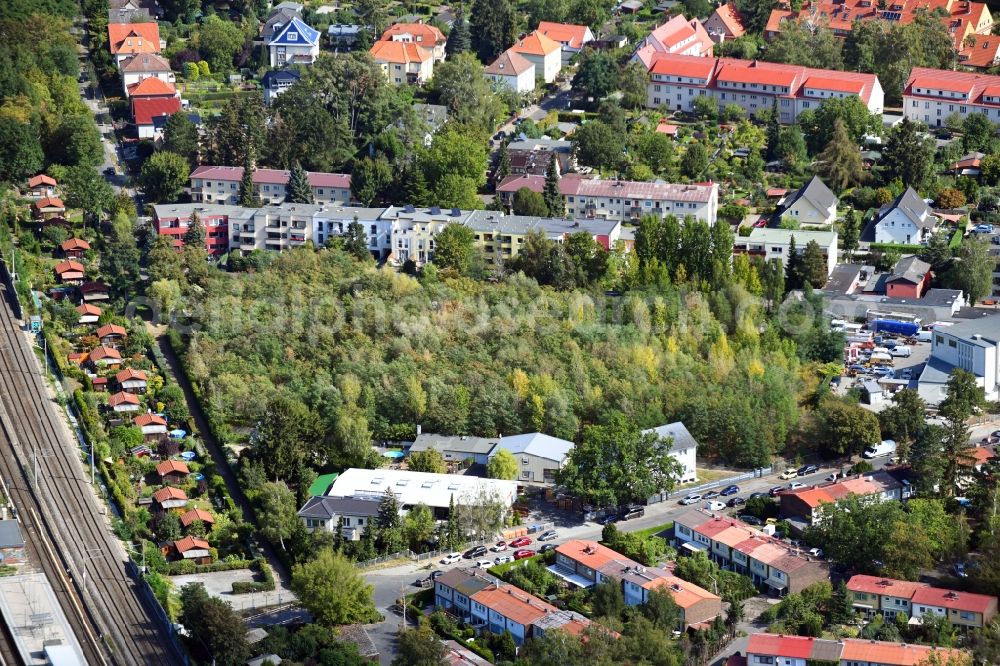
971	345
771	244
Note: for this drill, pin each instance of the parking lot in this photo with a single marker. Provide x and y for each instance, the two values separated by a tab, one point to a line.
903	368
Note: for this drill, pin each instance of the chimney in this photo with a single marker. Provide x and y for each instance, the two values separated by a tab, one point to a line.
419	429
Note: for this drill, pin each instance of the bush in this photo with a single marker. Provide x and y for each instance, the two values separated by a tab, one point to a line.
265	585
189	567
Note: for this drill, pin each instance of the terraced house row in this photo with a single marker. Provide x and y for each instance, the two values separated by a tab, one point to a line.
772	649
874	595
769	562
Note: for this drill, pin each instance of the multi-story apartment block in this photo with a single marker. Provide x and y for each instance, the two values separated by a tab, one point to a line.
770	562
872	595
676	80
488	603
422	34
771	244
771	650
931	95
174	220
501	236
972	345
588	563
677	36
221	184
961	17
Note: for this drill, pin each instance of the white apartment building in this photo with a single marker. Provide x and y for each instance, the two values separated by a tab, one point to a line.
683	449
624	200
972	345
676	80
773	244
931	95
221	184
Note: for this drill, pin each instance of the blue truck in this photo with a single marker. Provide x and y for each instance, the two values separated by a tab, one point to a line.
907	328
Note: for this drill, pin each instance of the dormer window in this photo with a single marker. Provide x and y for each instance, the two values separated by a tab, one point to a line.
293	37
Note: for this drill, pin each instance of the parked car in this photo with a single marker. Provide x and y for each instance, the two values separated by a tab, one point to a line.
756	495
499	547
816	552
520	541
730	490
735	501
503	559
959	570
610	518
995	433
475	552
715	506
634	512
711	494
548	535
906	374
484	564
805	470
547	547
750	520
452	558
523	553
831	477
691	499
777	489
795	485
436	574
789	474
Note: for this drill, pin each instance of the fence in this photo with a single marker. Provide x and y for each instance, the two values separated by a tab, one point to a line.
161	614
755	474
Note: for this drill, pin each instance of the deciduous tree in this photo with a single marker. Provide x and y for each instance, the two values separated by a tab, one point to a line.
455	248
493	28
164	176
840	161
332	590
502	465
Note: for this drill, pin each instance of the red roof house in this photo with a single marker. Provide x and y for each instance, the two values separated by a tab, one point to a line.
150	114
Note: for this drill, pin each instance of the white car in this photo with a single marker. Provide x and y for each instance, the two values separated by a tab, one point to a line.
499	547
452	558
691	499
484	564
503	559
795	485
789	474
715	506
816	552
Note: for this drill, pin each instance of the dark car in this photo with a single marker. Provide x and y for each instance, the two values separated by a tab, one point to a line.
548	535
709	495
730	490
756	495
478	551
436	574
610	518
808	469
547	547
736	501
751	520
110	171
777	489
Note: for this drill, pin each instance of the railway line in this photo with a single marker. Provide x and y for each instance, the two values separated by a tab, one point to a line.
115	622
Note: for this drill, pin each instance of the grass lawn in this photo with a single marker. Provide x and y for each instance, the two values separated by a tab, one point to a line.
707	475
656	530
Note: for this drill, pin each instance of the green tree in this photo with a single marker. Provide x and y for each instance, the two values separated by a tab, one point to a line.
503	465
493	27
553	198
20	150
457	191
418	526
454	153
236	136
461	85
616	463
428	460
907	155
598	145
371	180
247	196
694	162
420	647
299	189
454	248
844	428
219	41
355	241
277	513
596	74
978	133
164	176
195	235
972	270
791	147
287	430
846	531
528	202
459	39
840	162
705	107
904	419
332	590
76	142
607	599
989	169
86	189
813	265
850	231
819	126
213	626
503	164
180	136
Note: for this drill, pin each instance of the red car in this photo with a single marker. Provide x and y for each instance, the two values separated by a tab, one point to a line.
520	541
523	553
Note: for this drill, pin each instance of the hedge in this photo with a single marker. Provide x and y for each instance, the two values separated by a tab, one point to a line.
956	239
189	567
266	585
902	247
88	418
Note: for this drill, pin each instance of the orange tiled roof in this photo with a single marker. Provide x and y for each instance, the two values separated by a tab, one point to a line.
134	38
795	647
74	244
684	594
111	329
514	604
69	266
88	309
564	33
892	654
130	374
122	398
196	514
427	34
963	601
694	67
169	493
41	179
172	467
589	553
902	589
152	87
105	352
149	419
730	17
535	43
401	53
49	202
190	543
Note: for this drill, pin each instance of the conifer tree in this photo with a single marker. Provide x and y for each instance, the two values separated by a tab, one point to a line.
459	39
792	266
417	192
299	190
553	199
247	196
503	164
195	235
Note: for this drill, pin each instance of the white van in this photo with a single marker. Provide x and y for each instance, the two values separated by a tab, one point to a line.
925	336
880	350
901	350
883	448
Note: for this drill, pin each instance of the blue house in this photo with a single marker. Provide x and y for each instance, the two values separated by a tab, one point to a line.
293	43
276	82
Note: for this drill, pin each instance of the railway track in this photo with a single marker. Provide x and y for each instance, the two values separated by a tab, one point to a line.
115	622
